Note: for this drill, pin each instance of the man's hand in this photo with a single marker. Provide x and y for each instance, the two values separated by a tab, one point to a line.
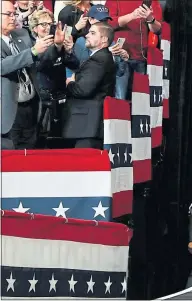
81	23
40	5
145	12
124	55
135	14
42	45
59	35
70	79
68	44
31	6
115	49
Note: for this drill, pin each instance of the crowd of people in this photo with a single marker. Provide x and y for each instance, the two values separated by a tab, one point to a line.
56	72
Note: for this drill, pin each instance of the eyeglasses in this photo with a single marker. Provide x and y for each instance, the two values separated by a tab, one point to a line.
45	24
10	14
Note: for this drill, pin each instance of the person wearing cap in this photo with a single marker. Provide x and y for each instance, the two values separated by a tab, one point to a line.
100	13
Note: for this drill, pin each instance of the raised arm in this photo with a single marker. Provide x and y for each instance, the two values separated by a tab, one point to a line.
27	57
13	63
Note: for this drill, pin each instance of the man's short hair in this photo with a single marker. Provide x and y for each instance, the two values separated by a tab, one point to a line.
106	30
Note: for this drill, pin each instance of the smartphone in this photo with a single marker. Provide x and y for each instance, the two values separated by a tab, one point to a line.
68	31
147	3
121	41
52	29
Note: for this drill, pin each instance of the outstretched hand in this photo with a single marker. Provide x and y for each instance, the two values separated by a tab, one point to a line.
59	34
43	44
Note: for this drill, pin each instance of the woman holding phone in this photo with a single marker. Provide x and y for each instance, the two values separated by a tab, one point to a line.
51	75
75	16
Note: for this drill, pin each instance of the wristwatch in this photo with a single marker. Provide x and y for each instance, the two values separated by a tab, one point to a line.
151	22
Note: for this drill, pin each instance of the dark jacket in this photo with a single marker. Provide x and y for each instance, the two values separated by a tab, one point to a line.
52	75
70	15
83	117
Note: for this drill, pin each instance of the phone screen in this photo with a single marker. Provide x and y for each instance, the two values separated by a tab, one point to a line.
121	41
52	29
68	31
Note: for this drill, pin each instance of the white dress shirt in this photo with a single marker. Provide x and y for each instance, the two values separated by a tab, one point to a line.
6	39
94	51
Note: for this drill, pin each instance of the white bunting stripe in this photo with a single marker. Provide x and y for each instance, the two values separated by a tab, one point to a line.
155	75
56	184
166	47
166	88
140	103
122	179
43	253
117	131
141	148
156	116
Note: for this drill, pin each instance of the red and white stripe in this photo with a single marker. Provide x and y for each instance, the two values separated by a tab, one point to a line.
47	242
56	173
141	146
166	47
117	129
155	72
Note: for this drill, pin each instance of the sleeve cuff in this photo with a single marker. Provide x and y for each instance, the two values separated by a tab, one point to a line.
58	47
34	54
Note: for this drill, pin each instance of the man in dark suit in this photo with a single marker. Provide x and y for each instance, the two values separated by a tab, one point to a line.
20	95
87	89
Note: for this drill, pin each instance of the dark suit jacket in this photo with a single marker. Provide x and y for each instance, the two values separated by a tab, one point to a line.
10	64
83	117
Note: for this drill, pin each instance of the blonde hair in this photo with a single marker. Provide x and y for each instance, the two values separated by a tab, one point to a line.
37	15
77	2
72	2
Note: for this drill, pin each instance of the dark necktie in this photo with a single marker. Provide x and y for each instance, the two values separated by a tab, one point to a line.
13	47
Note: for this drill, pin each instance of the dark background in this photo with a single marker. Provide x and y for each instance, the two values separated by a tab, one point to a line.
160	262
